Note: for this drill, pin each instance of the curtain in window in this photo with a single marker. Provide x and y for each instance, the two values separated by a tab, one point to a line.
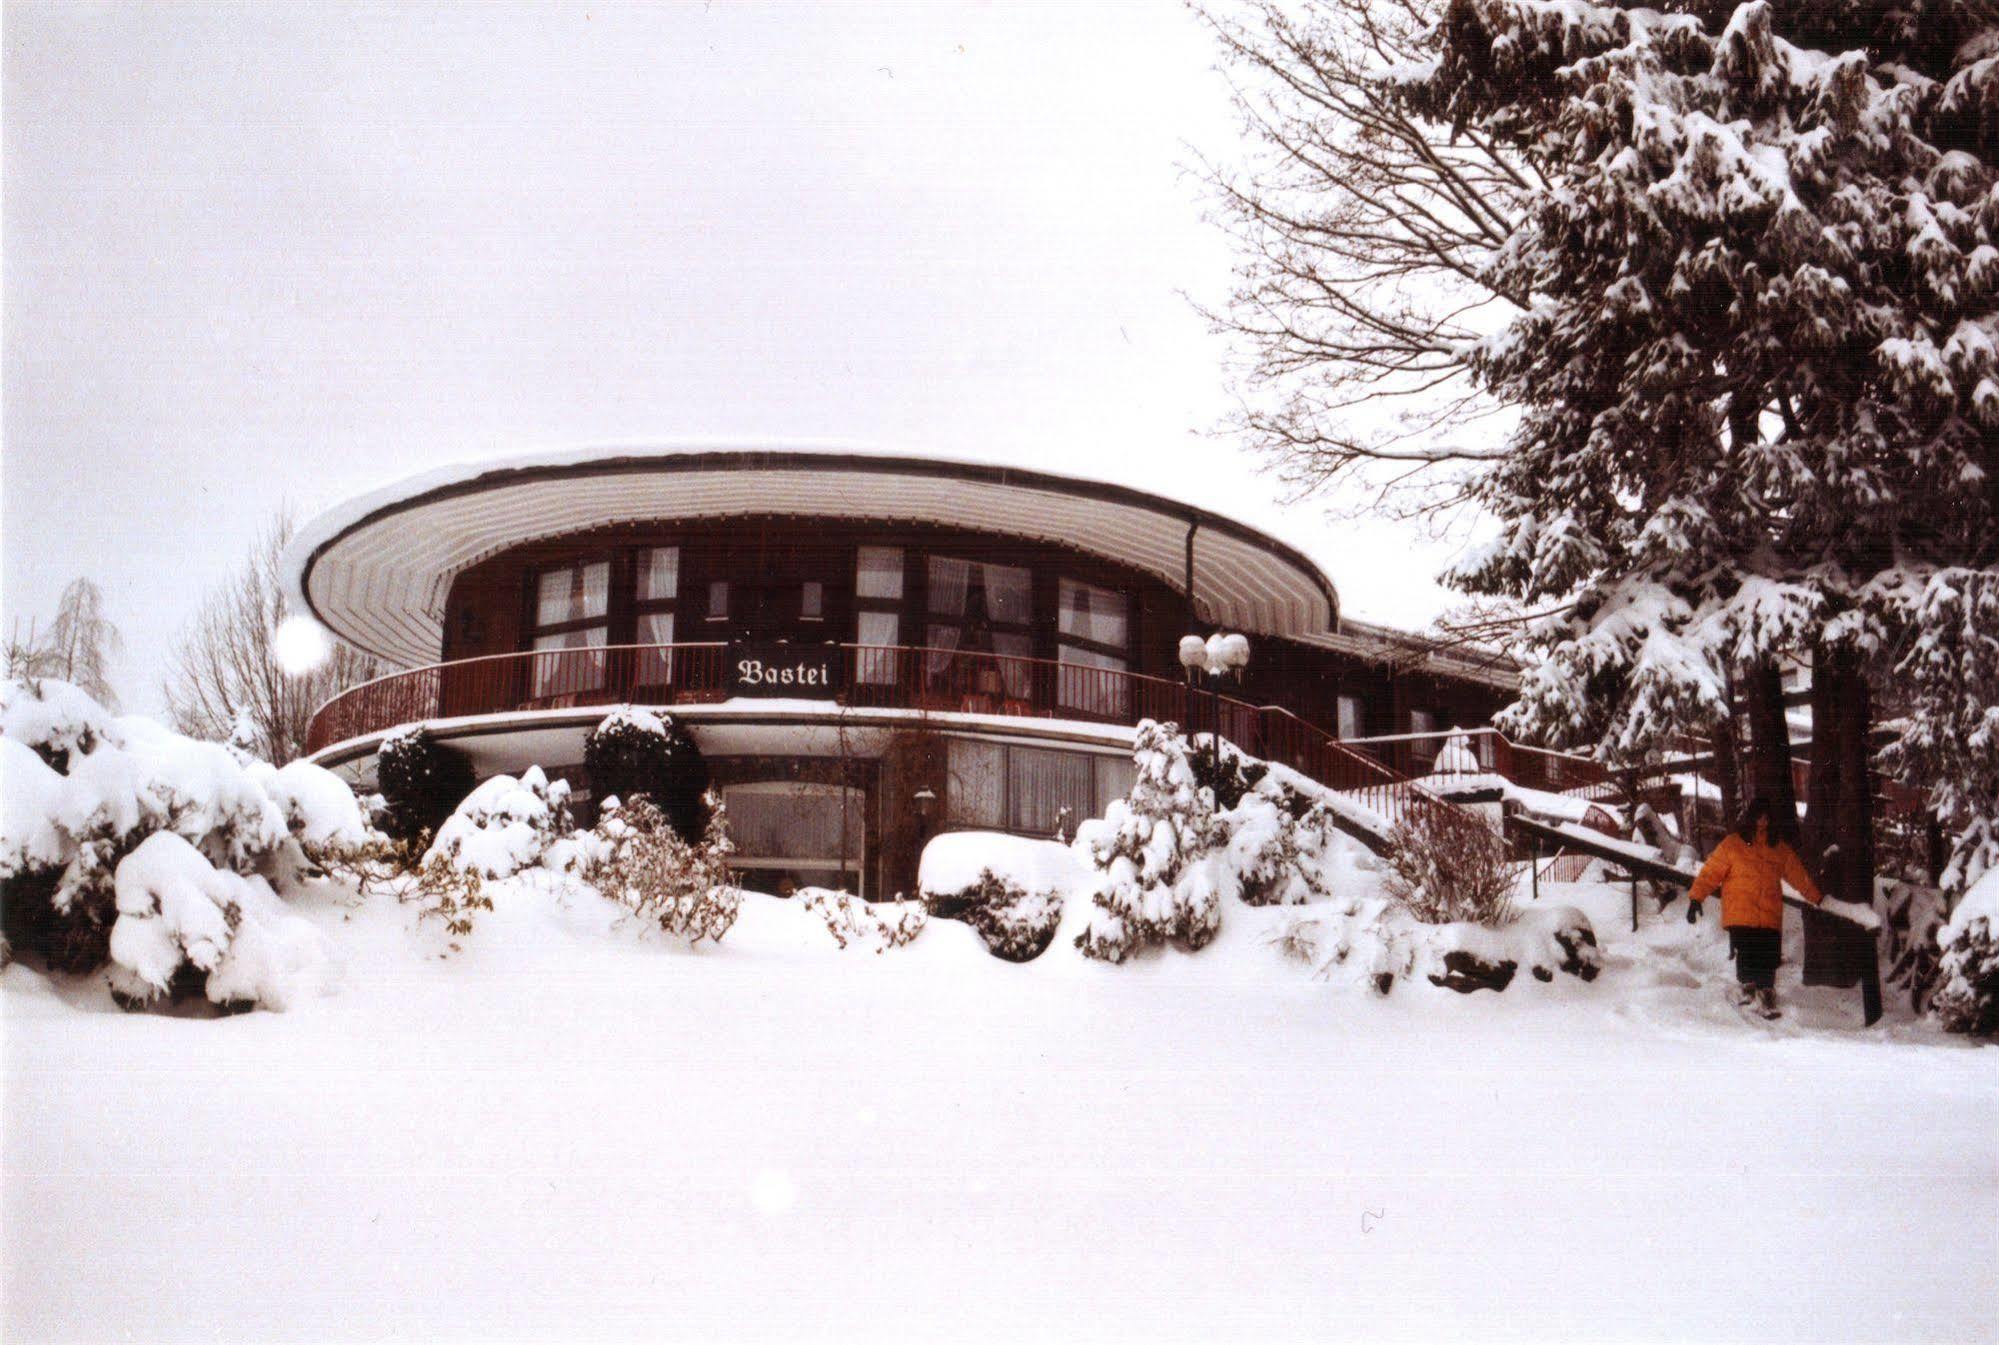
1092	682
1042	784
659	574
878	572
950	580
1009	594
655	666
975	792
565	673
876	667
580	593
1087	612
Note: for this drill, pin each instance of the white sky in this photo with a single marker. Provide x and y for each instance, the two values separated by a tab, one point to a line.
287	251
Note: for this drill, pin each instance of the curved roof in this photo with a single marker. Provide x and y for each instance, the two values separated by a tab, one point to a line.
376	570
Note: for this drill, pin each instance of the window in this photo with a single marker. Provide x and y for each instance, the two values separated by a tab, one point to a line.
877	612
655	595
1094	630
572	605
878	573
1048	791
979	608
718	600
1353	718
812	601
1422	721
1034	790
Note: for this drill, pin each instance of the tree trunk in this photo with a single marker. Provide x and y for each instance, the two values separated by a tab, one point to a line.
1835	951
1770	748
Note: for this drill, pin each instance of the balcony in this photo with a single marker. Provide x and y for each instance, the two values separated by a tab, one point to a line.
875	677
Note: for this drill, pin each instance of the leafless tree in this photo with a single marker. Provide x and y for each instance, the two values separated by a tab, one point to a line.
77	647
1362	237
226	682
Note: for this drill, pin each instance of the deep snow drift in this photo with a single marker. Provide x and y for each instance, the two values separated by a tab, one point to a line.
573	1131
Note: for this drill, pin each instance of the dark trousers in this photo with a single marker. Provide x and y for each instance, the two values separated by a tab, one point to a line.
1757	952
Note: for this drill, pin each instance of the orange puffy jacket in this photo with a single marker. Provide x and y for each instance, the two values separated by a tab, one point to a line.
1751	878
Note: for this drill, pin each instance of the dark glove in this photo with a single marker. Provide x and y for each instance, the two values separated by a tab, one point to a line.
1693	910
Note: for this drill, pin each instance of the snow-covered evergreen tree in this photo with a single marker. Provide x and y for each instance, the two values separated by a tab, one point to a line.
1760	378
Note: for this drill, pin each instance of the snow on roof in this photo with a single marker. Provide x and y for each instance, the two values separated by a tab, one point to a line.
376	570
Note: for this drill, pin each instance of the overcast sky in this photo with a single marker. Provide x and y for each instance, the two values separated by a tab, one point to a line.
293	252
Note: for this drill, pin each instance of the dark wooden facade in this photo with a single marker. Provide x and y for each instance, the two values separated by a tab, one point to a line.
489	609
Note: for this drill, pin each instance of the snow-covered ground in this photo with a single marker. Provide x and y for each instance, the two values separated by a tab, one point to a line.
568	1131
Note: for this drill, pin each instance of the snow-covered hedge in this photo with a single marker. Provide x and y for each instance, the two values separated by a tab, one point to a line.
130	844
1967	993
421	782
1010	889
634	753
1168	856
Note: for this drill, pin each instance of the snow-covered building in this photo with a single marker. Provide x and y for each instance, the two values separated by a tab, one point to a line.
865	647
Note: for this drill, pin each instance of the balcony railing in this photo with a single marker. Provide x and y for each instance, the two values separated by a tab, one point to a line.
876	677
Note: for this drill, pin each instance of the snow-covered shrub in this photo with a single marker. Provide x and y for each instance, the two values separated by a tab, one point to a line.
1280	846
421	781
1168	856
1011	889
1913	918
853	923
503	826
1157	855
637	858
1445	864
1376	941
1456	757
85	791
1014	923
1224	770
636	754
1967	993
177	912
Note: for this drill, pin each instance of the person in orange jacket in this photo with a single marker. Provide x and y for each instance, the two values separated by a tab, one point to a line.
1750	868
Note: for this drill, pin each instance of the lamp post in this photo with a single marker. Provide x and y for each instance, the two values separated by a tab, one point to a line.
1220	655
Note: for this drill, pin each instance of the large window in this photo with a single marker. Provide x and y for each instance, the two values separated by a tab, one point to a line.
979	608
1093	626
655	596
1353	719
877	611
1033	790
572	606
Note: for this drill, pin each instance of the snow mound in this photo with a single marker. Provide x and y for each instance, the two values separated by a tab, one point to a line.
958	861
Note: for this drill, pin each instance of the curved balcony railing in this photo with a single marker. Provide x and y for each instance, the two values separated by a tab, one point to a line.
875	677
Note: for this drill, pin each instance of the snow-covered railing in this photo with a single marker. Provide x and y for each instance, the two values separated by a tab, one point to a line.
1534	767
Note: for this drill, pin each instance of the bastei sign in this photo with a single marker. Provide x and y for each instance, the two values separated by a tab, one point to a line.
811	671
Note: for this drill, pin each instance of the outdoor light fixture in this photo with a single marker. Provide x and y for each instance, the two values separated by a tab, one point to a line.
926	803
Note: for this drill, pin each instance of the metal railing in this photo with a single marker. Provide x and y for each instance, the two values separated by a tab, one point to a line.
876	677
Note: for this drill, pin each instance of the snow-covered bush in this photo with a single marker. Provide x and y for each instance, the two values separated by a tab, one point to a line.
86	791
1376	941
1967	993
503	826
635	754
1445	864
1456	757
1010	889
1014	923
1168	856
178	913
1913	918
853	923
1157	855
421	781
637	858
